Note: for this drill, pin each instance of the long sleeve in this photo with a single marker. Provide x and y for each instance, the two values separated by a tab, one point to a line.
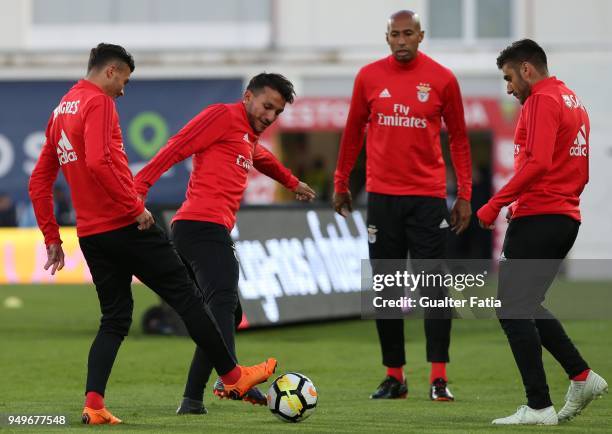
99	122
268	164
542	123
41	190
453	115
352	137
202	131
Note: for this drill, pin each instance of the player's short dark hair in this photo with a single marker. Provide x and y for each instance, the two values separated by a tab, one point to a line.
525	50
276	82
104	53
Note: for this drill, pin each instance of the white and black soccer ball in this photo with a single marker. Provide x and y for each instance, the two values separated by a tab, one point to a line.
292	397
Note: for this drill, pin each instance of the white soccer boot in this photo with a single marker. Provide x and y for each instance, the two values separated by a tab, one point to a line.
580	394
526	415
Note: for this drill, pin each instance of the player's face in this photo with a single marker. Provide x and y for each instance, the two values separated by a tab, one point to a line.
118	76
404	36
516	85
263	107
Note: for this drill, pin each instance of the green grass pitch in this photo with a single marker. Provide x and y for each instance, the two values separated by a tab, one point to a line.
44	346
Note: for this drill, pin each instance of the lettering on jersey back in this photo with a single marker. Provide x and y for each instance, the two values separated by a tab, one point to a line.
572	102
66	108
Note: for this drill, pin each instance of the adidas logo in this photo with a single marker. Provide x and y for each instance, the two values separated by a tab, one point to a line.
65	151
580	144
246	138
385	94
443	224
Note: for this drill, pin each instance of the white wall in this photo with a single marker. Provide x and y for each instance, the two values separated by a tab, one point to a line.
572	23
337	23
14	23
588	74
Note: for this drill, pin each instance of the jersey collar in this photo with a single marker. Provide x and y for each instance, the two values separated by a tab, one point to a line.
405	66
88	84
548	81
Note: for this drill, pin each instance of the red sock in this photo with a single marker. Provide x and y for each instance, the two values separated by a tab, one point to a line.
397	373
232	376
438	370
94	401
582	376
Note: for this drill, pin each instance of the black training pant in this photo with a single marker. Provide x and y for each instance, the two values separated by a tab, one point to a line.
113	258
418	225
522	289
208	251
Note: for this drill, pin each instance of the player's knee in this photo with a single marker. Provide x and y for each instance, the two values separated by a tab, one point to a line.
118	322
118	326
226	300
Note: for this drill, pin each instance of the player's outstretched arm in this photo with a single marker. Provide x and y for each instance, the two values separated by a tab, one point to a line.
304	193
199	133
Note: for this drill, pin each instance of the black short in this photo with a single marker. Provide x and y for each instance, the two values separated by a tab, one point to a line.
546	236
209	253
114	257
533	250
401	224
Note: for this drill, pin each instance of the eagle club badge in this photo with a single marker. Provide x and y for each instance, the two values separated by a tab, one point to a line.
423	90
372	234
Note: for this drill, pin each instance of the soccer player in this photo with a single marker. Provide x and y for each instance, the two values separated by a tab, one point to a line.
402	99
117	234
551	160
223	140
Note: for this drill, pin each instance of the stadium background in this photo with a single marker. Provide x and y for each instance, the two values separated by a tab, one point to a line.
190	53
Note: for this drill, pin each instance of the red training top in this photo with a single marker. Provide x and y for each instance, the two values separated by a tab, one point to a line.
225	148
402	105
83	138
551	152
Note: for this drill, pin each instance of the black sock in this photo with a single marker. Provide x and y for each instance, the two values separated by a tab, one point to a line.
101	358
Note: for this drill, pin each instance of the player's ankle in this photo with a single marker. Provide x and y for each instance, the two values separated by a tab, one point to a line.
397	373
94	400
232	376
438	370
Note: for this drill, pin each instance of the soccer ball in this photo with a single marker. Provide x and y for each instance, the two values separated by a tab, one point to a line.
292	397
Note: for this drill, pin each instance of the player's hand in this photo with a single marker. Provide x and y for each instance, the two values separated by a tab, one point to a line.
460	215
304	192
343	203
509	214
145	220
55	258
485	226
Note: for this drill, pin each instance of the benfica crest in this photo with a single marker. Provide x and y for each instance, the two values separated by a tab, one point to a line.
423	90
372	234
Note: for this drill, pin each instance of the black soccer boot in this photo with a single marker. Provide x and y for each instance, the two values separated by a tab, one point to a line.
439	391
391	388
191	406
